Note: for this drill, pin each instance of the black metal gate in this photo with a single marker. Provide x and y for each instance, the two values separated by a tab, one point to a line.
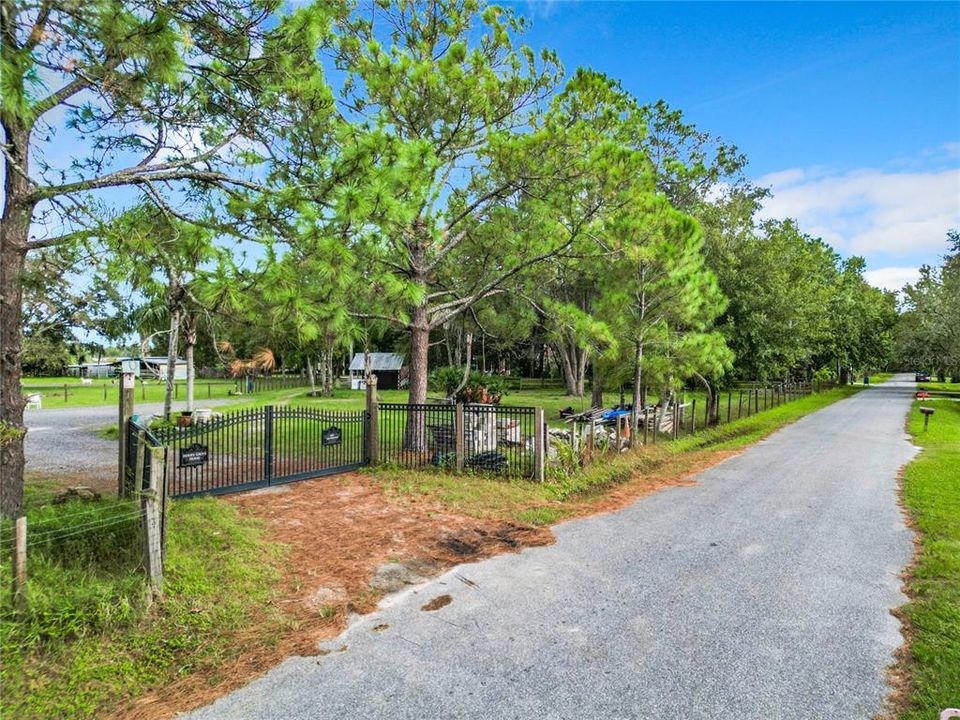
245	449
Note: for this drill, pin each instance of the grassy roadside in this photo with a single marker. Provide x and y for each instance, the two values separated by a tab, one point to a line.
89	643
566	495
941	386
931	494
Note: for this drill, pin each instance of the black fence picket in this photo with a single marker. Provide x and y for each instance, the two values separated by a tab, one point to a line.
500	439
245	449
417	435
496	438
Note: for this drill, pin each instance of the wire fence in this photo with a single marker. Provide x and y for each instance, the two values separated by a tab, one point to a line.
591	434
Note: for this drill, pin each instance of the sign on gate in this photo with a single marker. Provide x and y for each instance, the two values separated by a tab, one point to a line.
332	436
194	455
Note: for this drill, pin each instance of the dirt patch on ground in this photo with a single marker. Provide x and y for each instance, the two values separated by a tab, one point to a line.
54	483
437	603
349	545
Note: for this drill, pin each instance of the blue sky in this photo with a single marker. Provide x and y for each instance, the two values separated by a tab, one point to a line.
850	112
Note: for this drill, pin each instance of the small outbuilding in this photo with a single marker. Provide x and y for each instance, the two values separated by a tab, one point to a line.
388	367
103	369
156	367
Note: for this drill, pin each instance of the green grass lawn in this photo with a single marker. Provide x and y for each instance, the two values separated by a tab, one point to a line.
552	398
942	386
88	641
69	392
931	493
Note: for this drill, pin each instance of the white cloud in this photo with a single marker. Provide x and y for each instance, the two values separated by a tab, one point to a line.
869	211
892	278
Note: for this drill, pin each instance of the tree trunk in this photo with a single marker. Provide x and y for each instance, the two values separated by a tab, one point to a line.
328	379
573	363
596	388
14	234
188	356
415	434
312	378
171	362
190	342
466	366
637	386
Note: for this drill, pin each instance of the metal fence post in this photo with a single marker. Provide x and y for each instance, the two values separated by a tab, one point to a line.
373	422
268	443
460	435
539	444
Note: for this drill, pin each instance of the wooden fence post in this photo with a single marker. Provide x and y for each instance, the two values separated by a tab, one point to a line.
460	435
125	410
539	444
20	567
164	504
693	416
150	500
65	393
646	423
138	468
593	437
729	404
373	422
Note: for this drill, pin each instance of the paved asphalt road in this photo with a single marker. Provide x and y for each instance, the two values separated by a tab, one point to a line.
64	441
764	591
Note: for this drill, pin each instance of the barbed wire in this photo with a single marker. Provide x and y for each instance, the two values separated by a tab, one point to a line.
58	535
65	518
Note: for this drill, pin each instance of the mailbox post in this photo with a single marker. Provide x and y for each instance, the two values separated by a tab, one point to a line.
927	412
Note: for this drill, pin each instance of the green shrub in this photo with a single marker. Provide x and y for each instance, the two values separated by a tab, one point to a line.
480	387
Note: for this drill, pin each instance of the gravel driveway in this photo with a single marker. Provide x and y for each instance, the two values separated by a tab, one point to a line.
62	443
763	591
